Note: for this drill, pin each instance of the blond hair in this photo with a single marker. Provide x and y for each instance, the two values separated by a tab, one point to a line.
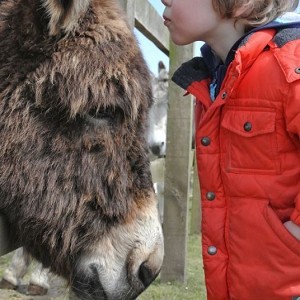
255	12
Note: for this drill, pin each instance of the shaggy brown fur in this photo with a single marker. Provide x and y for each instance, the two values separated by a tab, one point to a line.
74	98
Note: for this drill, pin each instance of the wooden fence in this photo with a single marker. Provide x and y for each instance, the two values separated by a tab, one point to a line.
178	162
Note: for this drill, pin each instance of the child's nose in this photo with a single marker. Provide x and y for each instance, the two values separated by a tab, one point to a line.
165	2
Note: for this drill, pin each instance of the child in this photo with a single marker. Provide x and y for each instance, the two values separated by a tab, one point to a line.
247	86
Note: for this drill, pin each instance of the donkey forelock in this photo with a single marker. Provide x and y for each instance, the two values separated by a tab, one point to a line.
64	13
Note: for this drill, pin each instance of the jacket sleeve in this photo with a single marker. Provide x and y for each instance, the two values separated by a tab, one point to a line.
292	115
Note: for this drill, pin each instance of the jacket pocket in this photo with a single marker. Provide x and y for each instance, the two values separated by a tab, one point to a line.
287	240
249	141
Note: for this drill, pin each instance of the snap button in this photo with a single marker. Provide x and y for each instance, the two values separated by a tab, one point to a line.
205	141
210	196
247	126
297	70
224	95
212	250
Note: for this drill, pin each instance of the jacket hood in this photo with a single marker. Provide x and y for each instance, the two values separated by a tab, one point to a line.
288	20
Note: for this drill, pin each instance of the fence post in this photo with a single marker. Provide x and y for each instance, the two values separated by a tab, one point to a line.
129	8
177	173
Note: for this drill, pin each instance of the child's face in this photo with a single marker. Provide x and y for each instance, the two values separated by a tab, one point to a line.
191	20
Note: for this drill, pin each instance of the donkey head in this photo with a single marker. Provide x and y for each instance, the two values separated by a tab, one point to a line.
75	181
157	131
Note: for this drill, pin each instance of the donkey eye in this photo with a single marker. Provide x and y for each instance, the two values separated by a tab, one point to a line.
108	114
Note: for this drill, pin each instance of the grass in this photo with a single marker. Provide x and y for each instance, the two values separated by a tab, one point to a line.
193	290
4	261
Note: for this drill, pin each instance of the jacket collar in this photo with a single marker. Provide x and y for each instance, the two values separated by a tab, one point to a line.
191	71
197	70
248	47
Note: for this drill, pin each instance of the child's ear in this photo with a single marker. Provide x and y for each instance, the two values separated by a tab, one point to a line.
64	14
240	11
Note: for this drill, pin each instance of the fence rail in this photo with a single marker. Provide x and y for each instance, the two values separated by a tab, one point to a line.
142	15
149	22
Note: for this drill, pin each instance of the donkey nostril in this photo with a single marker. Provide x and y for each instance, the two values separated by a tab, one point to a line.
155	149
146	275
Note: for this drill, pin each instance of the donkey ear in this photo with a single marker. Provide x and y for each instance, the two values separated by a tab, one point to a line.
64	14
161	66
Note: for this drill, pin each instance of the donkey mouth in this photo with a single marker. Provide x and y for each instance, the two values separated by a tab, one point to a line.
88	287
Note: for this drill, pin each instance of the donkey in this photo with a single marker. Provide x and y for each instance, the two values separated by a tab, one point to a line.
21	260
75	181
157	130
18	267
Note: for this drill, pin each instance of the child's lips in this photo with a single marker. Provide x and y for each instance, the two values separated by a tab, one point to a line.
166	20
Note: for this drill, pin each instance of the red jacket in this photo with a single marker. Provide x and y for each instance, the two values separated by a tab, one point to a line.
248	155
